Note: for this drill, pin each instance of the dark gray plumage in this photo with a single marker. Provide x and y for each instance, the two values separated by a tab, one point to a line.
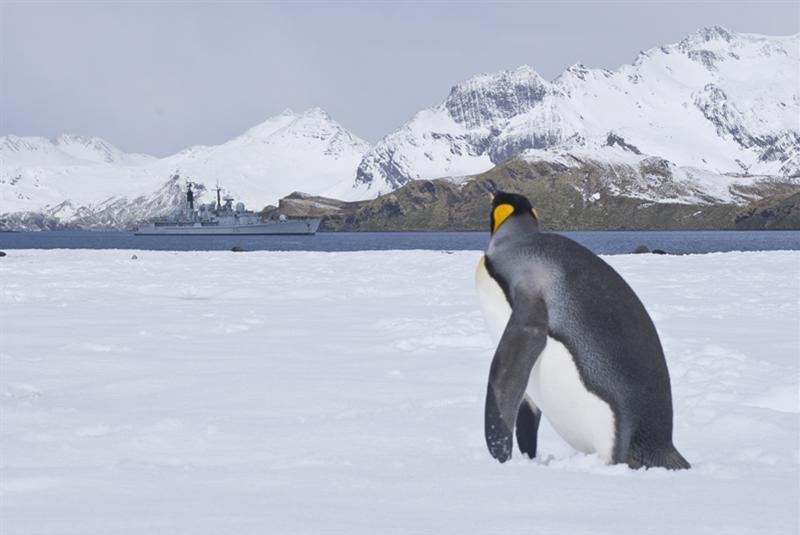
561	291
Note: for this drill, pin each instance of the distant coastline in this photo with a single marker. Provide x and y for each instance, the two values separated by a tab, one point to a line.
601	242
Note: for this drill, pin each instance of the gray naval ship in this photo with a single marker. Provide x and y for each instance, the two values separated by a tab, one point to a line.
225	219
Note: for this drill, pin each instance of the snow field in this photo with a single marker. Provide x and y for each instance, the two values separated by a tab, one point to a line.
270	392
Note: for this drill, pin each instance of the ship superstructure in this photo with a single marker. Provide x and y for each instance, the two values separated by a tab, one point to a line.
222	217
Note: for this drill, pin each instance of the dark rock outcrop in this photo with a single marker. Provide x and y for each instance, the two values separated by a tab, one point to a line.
568	198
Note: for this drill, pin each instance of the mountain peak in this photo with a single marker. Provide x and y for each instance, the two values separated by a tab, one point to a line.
484	98
314	111
524	74
709	33
89	148
72	138
80	139
269	126
706	34
577	70
317	113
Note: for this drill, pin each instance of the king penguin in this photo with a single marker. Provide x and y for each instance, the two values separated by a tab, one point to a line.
573	343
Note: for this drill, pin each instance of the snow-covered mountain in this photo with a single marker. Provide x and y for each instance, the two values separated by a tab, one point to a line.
719	102
69	149
307	152
700	120
88	181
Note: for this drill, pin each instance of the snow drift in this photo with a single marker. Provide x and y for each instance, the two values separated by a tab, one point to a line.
269	392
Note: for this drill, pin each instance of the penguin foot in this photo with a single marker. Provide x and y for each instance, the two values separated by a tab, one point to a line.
528	428
668	458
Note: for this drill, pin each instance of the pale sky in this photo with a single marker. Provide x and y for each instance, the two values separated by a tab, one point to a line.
159	77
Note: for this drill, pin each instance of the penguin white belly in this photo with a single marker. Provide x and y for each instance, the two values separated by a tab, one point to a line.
495	307
584	420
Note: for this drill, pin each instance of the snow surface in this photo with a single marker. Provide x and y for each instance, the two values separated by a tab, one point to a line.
270	392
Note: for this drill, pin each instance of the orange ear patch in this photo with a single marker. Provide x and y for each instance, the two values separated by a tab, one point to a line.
501	213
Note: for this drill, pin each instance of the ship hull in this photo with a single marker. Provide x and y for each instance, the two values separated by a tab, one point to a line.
305	226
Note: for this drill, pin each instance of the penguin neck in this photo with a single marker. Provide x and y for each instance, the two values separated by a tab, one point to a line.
516	229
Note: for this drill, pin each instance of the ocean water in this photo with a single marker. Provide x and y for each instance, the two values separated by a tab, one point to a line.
601	242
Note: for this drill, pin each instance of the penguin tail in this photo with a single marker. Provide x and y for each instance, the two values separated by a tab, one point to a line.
667	457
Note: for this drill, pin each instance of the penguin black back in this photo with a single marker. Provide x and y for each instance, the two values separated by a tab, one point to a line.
569	312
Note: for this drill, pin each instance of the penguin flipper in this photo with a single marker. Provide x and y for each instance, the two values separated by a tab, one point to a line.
528	427
521	344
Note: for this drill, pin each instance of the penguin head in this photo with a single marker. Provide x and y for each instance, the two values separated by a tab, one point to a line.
506	205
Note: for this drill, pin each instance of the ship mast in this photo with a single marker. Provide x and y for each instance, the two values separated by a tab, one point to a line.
189	196
189	201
